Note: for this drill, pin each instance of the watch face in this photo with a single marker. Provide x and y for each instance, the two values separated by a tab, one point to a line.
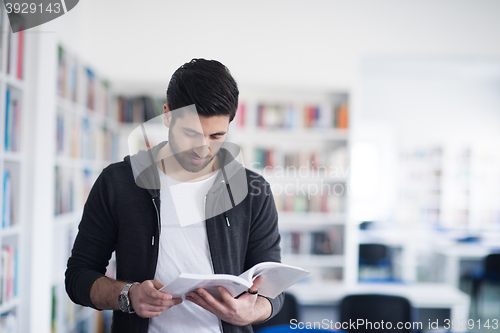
123	302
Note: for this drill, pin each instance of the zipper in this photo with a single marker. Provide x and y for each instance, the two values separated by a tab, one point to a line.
159	226
210	252
225	216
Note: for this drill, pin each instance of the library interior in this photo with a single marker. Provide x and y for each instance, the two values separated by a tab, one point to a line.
375	123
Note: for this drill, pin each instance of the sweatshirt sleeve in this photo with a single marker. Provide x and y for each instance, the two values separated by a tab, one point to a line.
264	240
94	244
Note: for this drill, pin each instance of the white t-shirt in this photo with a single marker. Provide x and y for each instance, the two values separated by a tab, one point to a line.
183	249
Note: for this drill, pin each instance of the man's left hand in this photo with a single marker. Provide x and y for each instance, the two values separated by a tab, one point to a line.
241	311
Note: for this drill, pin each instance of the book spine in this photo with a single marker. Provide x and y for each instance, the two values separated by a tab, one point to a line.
7	120
20	55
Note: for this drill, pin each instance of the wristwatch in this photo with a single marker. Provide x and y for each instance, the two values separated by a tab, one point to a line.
124	300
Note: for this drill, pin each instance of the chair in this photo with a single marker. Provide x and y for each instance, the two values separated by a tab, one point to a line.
490	274
288	312
288	329
375	256
375	308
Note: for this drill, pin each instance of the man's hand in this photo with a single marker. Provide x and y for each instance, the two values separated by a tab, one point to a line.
147	301
242	311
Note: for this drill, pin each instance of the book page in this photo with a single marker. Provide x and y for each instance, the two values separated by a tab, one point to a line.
190	282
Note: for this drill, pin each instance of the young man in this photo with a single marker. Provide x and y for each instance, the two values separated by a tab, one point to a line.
185	205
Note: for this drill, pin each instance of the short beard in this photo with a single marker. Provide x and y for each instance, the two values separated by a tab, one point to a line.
183	157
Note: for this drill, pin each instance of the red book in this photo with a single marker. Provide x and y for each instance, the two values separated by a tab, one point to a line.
241	115
20	54
342	116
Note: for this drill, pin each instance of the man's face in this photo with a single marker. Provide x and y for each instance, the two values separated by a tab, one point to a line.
195	140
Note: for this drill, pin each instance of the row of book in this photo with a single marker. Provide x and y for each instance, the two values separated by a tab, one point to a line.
79	138
328	163
138	109
71	188
81	85
290	116
65	314
319	242
317	203
9	273
12	119
15	54
9	201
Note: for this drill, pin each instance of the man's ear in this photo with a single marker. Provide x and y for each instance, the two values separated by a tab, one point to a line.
167	115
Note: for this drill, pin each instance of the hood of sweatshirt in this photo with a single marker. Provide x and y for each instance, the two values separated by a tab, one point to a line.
229	189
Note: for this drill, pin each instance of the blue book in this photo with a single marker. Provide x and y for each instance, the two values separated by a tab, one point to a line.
7	192
7	103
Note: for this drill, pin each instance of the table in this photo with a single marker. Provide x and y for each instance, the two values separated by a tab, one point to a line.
420	295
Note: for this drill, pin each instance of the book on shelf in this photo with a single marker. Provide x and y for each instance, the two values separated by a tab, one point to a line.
277	278
138	109
90	88
314	116
12	119
328	162
64	190
15	48
240	115
67	75
276	115
326	242
8	217
9	273
341	117
310	203
316	242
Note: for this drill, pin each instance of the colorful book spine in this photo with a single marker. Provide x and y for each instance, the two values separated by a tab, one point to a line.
20	54
7	200
7	120
9	273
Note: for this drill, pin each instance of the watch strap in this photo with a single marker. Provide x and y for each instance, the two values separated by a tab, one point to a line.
124	292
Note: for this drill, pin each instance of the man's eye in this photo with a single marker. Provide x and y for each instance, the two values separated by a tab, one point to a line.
216	137
191	135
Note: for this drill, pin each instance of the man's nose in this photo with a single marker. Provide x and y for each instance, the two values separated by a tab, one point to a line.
202	150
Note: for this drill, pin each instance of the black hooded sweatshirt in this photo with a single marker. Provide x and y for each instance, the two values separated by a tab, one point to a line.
122	214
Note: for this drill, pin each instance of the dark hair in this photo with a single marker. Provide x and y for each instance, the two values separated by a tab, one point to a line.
206	83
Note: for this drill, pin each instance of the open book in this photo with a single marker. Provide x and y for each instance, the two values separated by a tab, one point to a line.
277	278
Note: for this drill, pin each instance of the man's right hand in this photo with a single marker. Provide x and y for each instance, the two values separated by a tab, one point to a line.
147	301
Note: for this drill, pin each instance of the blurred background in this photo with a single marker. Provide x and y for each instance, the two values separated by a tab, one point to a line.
377	124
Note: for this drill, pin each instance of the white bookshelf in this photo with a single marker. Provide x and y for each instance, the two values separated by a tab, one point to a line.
84	142
290	142
13	184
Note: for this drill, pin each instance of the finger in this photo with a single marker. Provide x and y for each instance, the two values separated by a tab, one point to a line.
226	296
156	294
162	302
151	308
212	301
200	301
149	314
157	284
256	284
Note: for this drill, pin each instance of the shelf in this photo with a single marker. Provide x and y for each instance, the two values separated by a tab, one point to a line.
307	220
67	218
10	231
77	163
274	178
305	260
309	134
13	156
14	82
9	305
83	112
